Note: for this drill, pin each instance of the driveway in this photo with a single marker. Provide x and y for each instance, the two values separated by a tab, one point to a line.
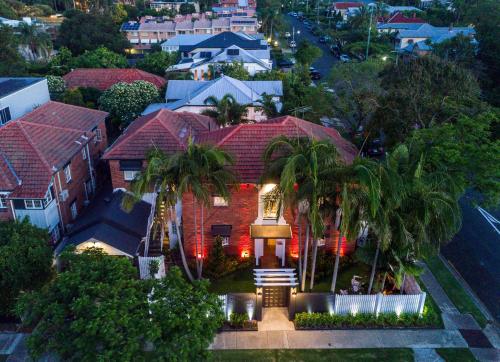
323	64
475	253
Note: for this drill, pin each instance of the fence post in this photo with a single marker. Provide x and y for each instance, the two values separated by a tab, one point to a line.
335	304
421	303
378	303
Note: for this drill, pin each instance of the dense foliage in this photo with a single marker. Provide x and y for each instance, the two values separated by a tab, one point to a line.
157	62
25	261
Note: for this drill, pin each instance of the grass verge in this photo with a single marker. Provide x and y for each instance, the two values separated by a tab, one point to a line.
454	290
314	355
240	281
431	305
456	354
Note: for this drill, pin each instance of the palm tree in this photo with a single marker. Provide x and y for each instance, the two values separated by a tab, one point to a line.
297	162
227	111
37	43
268	106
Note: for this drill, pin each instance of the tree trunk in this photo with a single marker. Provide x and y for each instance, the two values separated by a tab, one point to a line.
202	242
300	247
304	269
196	238
383	283
402	284
337	261
313	267
374	267
181	249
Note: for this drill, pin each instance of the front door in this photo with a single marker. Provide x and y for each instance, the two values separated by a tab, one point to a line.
275	296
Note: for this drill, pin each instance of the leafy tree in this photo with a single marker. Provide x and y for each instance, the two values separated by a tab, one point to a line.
357	90
90	96
100	58
119	13
307	53
11	62
157	62
6	11
61	63
269	106
235	70
91	31
226	111
422	93
74	97
458	49
95	309
358	49
56	86
37	44
127	100
187	8
25	261
467	150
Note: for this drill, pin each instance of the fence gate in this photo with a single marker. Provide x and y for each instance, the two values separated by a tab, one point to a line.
275	296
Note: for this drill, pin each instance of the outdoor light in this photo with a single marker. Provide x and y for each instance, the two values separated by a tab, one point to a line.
294	291
384	58
275	43
245	254
298	32
269	39
259	291
199	256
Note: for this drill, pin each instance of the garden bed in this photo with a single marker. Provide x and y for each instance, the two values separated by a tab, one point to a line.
248	326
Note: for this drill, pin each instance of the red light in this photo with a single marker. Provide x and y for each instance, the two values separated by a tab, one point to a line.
199	256
245	254
295	255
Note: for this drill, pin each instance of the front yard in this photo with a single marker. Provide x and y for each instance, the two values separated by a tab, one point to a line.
240	281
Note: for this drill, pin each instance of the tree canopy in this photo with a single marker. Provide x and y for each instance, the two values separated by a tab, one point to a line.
307	53
157	62
99	58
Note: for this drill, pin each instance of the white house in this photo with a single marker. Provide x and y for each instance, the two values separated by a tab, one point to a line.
184	40
190	95
19	96
426	33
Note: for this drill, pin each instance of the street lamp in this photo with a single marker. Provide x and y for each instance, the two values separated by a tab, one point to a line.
275	43
384	58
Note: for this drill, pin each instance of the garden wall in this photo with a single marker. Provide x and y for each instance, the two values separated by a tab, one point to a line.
241	303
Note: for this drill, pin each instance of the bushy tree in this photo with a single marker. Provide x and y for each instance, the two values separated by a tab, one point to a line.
74	97
25	261
307	53
100	58
126	101
11	62
84	31
235	70
56	86
157	62
187	8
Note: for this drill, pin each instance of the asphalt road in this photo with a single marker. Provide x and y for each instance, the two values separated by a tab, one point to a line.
475	254
323	64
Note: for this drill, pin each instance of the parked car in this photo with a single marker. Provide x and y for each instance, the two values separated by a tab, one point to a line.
322	39
375	148
287	34
315	75
286	63
345	58
334	49
292	44
309	26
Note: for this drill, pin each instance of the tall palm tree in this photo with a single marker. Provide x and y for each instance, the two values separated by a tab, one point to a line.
268	106
297	162
227	110
37	42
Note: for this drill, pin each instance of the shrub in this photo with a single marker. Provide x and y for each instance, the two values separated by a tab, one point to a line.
237	320
56	86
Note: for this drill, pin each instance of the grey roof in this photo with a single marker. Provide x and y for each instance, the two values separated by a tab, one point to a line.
191	92
12	85
429	31
186	39
104	220
226	39
400	26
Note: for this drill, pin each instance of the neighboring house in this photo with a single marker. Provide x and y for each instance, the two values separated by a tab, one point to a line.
104	224
343	8
174	44
173	5
399	9
190	95
19	96
420	40
223	12
104	78
15	23
249	228
243	4
254	61
150	31
47	162
397	22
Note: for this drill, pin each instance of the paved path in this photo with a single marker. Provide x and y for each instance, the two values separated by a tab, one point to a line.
426	355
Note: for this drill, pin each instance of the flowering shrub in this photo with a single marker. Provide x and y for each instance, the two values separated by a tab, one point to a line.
56	86
126	101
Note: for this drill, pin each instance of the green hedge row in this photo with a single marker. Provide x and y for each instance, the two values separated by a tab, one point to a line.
327	320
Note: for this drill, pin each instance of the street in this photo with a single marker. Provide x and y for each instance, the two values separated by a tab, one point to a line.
475	254
323	64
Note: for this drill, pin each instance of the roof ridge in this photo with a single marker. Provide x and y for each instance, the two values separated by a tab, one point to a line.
51	126
166	126
230	134
37	151
10	167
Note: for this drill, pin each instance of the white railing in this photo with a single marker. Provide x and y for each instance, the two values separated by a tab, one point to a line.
145	265
223	299
379	303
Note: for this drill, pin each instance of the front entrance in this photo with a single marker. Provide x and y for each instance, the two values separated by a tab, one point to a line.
275	296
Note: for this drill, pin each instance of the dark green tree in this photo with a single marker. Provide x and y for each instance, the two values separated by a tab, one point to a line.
11	62
157	62
187	8
226	111
307	53
99	58
74	97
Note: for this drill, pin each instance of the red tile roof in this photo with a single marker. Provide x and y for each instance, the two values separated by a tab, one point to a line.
347	5
399	18
36	145
247	142
102	79
165	129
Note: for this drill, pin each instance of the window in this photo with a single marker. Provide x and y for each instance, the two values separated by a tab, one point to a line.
225	240
67	172
48	198
98	135
130	175
205	54
55	234
84	153
5	115
220	201
3	201
33	204
73	210
233	52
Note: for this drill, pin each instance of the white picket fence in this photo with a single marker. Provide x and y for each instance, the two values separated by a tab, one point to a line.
379	303
144	265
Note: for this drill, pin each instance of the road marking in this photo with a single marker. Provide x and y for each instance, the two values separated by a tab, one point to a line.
489	218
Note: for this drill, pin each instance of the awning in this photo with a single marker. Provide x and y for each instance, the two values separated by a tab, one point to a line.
270	231
221	230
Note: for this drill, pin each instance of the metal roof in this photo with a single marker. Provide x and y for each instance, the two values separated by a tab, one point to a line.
12	85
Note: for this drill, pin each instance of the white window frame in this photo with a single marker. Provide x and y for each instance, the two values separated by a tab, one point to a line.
130	175
67	172
3	201
48	198
84	153
219	201
225	240
73	209
33	204
98	135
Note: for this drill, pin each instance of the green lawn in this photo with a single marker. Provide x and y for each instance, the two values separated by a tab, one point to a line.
456	354
430	305
241	281
344	278
454	290
314	355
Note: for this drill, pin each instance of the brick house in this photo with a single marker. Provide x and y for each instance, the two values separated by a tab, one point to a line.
246	225
48	162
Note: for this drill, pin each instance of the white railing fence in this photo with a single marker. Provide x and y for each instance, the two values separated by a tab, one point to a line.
145	265
379	303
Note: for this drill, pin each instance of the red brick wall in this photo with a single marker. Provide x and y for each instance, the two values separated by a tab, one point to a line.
6	214
96	147
241	213
117	176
